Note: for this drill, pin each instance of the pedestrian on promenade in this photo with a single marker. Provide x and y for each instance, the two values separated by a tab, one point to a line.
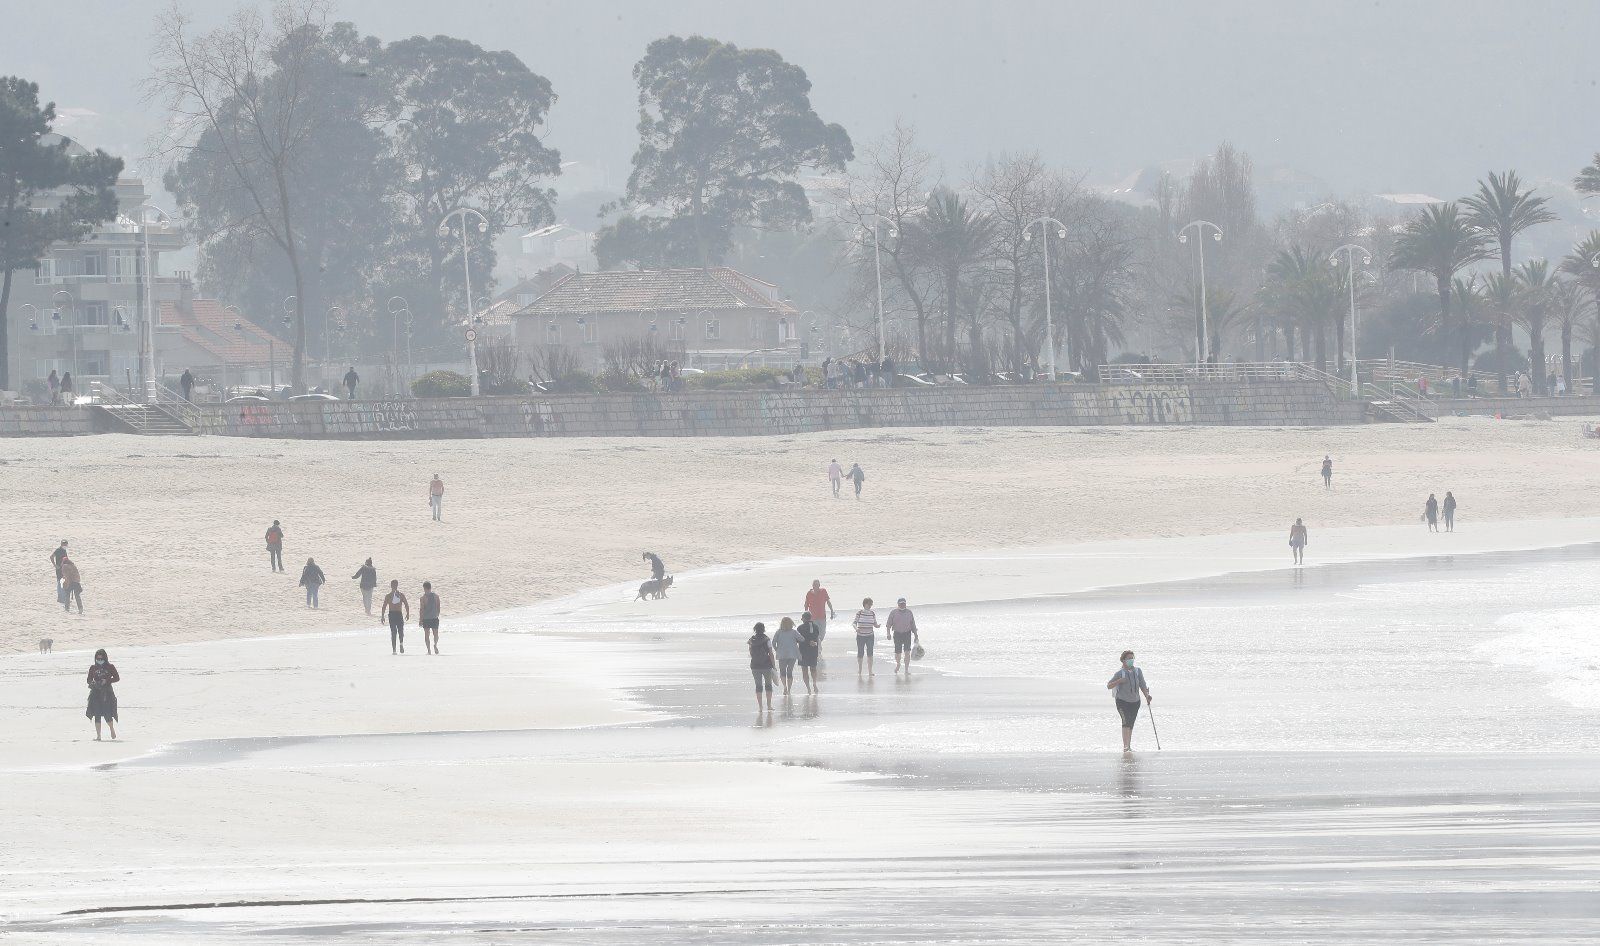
1298	540
312	579
275	546
397	610
819	606
1449	511
1327	472
810	649
428	617
66	388
835	477
186	384
53	381
786	644
866	624
1430	513
368	576
901	628
857	476
762	660
350	381
1128	682
436	498
71	585
102	698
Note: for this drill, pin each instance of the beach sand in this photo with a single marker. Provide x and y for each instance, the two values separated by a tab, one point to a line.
167	532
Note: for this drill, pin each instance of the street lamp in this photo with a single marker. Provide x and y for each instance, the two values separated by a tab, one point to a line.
148	214
327	323
238	329
61	299
1350	250
291	307
1044	224
877	265
1199	227
466	271
394	313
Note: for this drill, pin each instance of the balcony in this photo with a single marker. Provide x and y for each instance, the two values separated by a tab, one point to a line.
103	280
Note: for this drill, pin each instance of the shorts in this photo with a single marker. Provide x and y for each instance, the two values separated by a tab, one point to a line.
430	624
763	677
1129	712
864	645
902	642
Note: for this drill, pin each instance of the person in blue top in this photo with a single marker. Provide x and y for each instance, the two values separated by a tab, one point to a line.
1128	684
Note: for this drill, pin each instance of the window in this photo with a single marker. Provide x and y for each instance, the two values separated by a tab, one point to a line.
92	313
675	330
46	273
122	266
91	362
713	329
94	263
589	330
552	333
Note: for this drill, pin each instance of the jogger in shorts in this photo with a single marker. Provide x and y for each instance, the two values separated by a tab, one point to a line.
428	617
397	609
866	622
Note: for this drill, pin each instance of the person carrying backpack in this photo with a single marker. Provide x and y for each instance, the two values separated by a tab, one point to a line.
762	661
275	546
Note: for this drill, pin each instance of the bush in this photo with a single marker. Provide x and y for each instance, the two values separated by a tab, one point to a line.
577	382
738	379
442	384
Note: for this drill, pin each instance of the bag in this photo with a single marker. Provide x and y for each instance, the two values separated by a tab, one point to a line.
760	648
917	651
61	591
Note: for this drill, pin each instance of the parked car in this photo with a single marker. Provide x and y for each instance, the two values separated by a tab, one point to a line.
313	397
247	399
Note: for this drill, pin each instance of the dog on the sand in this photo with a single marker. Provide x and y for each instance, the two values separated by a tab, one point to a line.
45	643
655	588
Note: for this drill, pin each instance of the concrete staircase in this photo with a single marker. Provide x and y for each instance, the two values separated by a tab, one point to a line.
153	417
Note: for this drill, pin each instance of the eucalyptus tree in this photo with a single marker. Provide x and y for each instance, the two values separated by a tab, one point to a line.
1440	242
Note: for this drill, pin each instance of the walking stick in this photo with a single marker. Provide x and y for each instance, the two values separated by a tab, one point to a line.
1150	711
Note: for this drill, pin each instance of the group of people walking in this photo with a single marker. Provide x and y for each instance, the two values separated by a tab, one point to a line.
69	581
60	388
773	658
1432	511
858	373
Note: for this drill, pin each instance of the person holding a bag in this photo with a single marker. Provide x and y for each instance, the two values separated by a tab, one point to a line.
901	628
71	585
102	698
762	660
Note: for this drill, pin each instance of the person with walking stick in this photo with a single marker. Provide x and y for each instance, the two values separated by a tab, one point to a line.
1128	683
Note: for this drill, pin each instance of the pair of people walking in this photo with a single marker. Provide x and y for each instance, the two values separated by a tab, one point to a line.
900	629
1432	509
397	611
837	476
69	581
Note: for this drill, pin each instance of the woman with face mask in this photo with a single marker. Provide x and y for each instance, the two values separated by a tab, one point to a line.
1128	683
102	699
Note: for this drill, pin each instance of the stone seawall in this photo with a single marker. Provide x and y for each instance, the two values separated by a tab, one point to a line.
1584	405
754	413
45	422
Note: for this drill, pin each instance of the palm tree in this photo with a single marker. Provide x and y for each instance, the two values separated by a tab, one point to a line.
1580	265
954	236
1501	296
1588	179
1538	289
1304	287
1440	243
1567	305
1502	209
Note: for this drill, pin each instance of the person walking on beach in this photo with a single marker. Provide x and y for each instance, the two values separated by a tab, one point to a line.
1430	512
398	610
350	381
857	476
761	663
102	698
275	546
1327	472
1449	511
901	628
835	477
820	607
71	585
866	623
428	617
658	568
1128	682
186	384
436	498
56	557
312	580
368	576
810	649
1298	540
786	644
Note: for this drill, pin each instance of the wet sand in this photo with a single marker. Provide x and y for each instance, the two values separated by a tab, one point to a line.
975	802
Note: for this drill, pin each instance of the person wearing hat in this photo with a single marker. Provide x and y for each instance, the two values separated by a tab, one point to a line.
901	627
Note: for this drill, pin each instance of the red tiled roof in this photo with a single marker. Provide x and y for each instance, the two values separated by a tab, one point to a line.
658	290
207	325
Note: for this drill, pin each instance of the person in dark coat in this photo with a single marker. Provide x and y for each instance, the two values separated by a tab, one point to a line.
368	576
102	698
312	579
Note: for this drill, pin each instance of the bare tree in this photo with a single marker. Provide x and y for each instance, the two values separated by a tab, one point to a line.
890	191
245	90
551	363
502	361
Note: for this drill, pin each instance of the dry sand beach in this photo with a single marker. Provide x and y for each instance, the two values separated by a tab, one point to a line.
168	531
1395	744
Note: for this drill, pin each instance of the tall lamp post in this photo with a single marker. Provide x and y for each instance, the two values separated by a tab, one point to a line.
877	266
149	214
1199	227
1044	224
61	300
395	311
238	329
327	343
1350	250
466	272
291	311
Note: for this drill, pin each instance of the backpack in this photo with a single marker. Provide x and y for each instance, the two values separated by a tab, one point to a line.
760	651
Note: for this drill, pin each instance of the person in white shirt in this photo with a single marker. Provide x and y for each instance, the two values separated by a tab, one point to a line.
866	622
901	627
835	477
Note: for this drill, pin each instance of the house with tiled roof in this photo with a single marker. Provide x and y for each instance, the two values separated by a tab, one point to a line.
220	345
713	314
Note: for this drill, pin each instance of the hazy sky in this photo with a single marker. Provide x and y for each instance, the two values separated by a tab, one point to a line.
1378	96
